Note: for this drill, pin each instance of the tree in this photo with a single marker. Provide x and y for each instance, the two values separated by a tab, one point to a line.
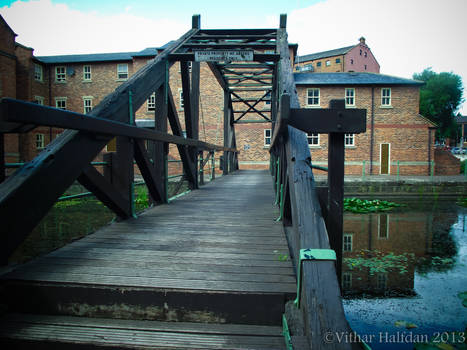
440	98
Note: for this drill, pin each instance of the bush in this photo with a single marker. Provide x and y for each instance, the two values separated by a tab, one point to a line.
463	164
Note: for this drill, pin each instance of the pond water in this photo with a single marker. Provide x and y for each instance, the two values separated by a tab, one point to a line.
403	272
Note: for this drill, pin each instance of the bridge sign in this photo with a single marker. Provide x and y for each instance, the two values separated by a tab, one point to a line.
223	55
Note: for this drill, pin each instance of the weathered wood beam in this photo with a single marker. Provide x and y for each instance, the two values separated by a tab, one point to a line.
47	176
219	77
238	31
24	111
188	166
321	299
106	192
152	173
230	46
340	120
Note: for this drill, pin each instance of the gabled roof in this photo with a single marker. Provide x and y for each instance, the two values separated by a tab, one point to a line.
2	21
101	57
323	54
95	57
352	78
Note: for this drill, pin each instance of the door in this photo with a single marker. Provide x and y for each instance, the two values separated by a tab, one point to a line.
385	155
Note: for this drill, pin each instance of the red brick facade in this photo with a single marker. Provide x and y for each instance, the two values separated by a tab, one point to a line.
89	81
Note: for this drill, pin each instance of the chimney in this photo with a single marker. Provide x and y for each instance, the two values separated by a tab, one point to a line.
362	40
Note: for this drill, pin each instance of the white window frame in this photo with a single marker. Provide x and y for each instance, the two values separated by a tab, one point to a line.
267	137
386	234
381	281
60	74
122	71
347	242
151	103
349	97
313	98
87	73
328	63
40	141
59	100
349	140
313	140
39	100
346	280
386	97
87	104
181	100
38	72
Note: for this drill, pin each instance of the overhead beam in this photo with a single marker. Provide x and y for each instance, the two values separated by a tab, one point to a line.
257	57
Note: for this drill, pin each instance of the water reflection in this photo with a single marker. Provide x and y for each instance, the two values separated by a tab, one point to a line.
381	252
403	273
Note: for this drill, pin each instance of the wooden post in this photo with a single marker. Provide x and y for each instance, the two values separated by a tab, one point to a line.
226	131
201	168
213	165
336	158
2	158
161	149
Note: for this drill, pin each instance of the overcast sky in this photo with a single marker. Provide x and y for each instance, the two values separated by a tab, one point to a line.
406	36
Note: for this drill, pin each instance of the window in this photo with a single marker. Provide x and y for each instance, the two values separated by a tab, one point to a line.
360	52
87	101
349	139
350	97
87	73
347	280
122	71
385	96
351	61
40	142
268	97
383	226
38	72
39	100
338	60
152	102
318	64
347	242
366	55
365	66
328	63
267	137
313	140
182	102
312	97
382	281
60	102
60	74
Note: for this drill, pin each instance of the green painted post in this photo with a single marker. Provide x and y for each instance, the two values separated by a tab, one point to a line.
363	170
465	170
278	181
432	169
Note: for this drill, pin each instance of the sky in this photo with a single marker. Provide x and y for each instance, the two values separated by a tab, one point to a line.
405	36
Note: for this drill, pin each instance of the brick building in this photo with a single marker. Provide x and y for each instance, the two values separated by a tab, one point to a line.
398	138
79	82
354	58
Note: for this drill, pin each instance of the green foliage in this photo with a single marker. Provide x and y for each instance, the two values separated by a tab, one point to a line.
463	296
360	206
440	97
462	202
463	164
380	262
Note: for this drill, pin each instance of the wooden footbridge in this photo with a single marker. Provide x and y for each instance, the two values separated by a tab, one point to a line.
214	269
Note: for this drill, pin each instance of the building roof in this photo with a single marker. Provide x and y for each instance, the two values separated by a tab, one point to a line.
323	54
2	21
351	78
102	57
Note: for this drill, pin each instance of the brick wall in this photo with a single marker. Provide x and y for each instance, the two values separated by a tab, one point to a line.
400	126
446	163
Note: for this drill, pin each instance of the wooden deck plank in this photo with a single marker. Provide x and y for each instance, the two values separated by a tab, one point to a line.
65	330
